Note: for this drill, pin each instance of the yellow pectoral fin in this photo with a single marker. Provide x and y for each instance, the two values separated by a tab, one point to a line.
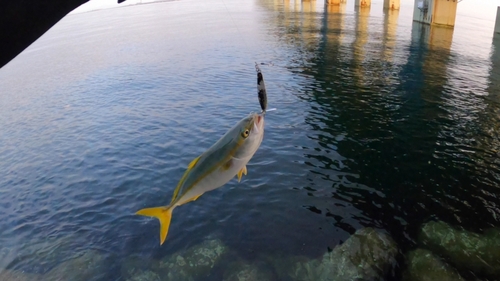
241	172
163	214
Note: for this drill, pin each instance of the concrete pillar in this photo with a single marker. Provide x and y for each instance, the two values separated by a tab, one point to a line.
437	37
335	9
445	12
362	3
335	2
436	12
497	21
391	4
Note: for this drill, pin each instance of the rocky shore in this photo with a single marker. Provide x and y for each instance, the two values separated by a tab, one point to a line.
443	252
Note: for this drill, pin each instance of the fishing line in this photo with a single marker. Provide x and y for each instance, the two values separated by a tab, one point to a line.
261	88
233	22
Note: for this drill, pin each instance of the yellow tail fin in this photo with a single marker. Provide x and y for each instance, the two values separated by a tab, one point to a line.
163	214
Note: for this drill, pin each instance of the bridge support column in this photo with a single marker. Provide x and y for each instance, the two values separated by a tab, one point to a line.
497	22
335	2
436	12
391	4
362	3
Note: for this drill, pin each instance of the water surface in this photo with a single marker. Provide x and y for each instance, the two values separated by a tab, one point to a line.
381	122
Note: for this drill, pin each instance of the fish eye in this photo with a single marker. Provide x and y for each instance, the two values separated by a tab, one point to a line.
245	133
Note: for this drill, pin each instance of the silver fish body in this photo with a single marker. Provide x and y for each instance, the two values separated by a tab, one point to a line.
223	161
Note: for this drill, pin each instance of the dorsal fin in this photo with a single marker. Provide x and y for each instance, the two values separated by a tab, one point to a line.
191	165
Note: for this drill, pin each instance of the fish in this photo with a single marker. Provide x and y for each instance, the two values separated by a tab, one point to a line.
261	89
223	161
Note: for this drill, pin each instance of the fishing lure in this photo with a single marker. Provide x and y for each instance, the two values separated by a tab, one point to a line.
261	89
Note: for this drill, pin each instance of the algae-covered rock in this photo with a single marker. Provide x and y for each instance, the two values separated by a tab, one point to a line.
136	268
477	253
294	267
38	255
425	266
366	255
241	271
196	262
306	271
144	275
7	255
89	266
13	275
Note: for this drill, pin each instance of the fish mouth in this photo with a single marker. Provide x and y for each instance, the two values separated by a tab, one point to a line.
258	120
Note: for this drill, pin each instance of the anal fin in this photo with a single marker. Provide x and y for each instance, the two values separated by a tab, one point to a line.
196	197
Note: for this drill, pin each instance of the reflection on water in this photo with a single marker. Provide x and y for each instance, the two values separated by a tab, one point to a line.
382	122
396	124
389	35
359	52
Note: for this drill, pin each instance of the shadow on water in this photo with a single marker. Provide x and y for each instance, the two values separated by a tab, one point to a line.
396	142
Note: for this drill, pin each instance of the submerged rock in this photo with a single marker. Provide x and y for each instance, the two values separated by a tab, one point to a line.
136	268
13	275
144	275
366	255
7	255
196	262
89	266
241	271
40	255
424	266
477	253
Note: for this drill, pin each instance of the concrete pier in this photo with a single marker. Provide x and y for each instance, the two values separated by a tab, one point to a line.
497	22
362	3
435	12
391	4
336	9
335	2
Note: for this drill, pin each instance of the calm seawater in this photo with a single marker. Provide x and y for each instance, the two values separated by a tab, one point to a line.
379	122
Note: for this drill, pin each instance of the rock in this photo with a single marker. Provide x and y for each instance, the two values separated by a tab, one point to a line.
477	253
40	255
89	266
306	271
295	267
7	255
13	275
137	268
196	262
366	255
241	271
424	266
144	275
